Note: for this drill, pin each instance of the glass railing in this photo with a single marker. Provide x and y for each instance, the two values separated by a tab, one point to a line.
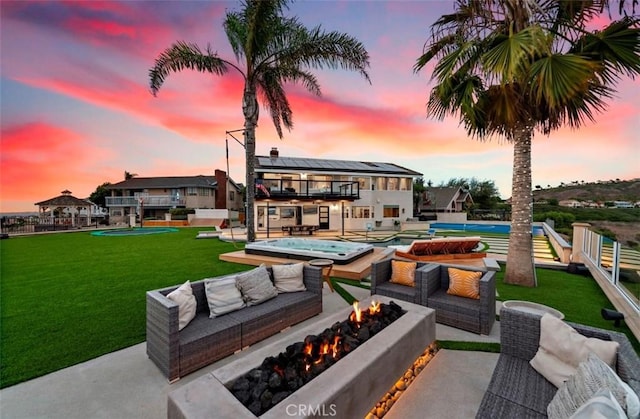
618	263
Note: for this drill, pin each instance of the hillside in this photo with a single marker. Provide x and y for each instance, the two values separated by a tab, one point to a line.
618	190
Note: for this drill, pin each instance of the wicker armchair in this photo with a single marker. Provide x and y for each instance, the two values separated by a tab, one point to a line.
475	316
516	390
380	285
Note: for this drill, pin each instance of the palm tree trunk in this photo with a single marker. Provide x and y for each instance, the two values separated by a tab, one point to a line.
520	268
250	111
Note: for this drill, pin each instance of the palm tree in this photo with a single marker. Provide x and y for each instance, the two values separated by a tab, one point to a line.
270	51
510	68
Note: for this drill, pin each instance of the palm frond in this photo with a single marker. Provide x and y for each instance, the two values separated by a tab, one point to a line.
509	55
183	55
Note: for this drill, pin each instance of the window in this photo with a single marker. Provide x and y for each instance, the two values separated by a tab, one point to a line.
232	195
361	212
191	191
405	183
203	191
391	211
392	184
309	209
364	182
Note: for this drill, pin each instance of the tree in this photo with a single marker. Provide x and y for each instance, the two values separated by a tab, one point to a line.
98	197
511	68
270	51
485	194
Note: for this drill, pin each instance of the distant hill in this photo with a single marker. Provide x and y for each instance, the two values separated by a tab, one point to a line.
618	190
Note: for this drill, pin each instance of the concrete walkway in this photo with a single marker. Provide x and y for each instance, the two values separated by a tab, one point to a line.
126	384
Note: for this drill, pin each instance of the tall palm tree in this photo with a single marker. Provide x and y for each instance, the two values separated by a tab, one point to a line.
270	50
509	68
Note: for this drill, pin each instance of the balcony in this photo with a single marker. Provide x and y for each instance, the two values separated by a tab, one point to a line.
149	201
288	189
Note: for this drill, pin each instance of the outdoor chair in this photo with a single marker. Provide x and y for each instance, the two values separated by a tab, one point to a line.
381	274
473	315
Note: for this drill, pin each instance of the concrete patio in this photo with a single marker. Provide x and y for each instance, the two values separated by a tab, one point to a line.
126	384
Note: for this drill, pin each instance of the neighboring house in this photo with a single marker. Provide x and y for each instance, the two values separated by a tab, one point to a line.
157	195
622	204
445	199
330	194
571	203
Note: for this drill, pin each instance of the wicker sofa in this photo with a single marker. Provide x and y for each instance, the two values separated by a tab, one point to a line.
516	390
205	340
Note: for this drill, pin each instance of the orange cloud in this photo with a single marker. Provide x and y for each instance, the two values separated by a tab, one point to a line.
40	160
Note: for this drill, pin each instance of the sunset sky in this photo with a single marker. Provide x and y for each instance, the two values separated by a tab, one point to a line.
76	110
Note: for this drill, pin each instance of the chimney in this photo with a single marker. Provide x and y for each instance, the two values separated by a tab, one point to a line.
221	193
274	153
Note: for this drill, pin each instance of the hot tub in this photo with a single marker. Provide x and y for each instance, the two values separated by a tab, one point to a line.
340	252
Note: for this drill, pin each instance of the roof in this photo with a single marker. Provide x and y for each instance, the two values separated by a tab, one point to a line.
64	200
441	197
326	165
199	181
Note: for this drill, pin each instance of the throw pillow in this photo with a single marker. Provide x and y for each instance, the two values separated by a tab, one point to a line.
183	296
288	278
591	376
464	283
601	406
562	349
403	273
222	295
256	286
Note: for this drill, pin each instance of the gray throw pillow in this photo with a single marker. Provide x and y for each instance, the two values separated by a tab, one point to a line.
256	286
222	295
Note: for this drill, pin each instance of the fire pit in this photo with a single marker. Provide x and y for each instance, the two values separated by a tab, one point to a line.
350	388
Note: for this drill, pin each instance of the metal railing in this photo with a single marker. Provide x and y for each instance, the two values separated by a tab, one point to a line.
149	201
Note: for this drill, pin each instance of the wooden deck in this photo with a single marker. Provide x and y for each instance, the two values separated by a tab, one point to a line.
357	270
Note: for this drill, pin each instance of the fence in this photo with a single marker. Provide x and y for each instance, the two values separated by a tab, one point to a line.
35	224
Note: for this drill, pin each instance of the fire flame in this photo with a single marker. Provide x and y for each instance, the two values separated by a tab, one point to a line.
375	307
357	313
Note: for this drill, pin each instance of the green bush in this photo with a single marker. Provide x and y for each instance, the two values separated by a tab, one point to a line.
561	219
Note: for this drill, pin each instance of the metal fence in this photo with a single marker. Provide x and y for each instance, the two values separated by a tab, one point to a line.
35	224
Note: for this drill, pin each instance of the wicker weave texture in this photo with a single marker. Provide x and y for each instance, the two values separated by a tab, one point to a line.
516	389
204	340
380	285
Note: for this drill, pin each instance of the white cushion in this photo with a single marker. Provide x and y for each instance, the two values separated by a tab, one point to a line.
562	349
183	296
222	295
288	278
591	376
601	406
256	286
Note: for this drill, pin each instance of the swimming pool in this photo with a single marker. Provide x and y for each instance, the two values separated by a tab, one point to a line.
134	231
340	252
483	228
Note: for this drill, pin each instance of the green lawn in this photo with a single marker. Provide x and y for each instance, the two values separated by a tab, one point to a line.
69	297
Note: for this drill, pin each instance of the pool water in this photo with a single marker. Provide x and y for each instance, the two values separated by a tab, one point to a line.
483	228
134	231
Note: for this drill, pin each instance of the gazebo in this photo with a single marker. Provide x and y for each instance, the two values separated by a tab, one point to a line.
65	201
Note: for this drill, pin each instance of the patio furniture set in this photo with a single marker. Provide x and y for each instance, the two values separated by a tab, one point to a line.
430	290
516	389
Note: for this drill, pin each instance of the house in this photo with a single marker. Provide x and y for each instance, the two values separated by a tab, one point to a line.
155	196
330	194
571	203
445	199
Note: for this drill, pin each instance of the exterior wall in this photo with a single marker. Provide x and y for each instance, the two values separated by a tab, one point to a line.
375	200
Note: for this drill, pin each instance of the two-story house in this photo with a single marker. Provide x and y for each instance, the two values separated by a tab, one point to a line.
153	197
331	194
